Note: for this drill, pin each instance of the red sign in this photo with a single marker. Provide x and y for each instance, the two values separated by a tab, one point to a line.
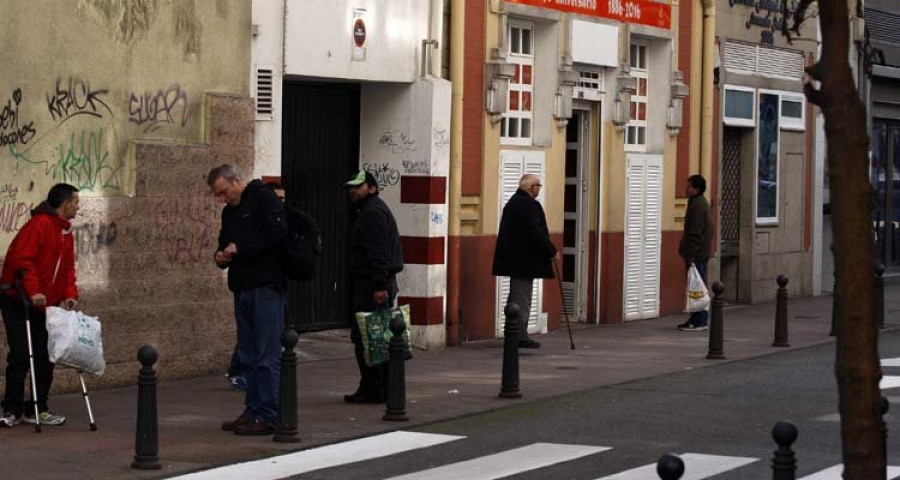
644	12
359	33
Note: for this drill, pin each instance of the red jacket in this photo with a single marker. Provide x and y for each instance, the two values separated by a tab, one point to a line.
44	247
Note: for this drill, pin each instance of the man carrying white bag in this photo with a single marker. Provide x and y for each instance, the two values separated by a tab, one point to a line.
74	340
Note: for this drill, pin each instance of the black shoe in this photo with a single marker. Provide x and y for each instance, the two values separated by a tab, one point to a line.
690	327
359	397
682	326
255	427
529	343
239	421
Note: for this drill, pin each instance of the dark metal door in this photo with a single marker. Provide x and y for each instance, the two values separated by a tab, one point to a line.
885	177
320	151
730	217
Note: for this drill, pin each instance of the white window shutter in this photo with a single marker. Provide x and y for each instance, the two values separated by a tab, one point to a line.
643	236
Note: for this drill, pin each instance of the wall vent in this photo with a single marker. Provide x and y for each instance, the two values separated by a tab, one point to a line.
264	93
751	59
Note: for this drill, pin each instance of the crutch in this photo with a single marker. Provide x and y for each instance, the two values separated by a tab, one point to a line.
26	304
563	301
87	400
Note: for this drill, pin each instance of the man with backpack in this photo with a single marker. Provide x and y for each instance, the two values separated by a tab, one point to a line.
251	247
375	258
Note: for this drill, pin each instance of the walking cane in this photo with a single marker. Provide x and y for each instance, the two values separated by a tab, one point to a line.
563	301
19	277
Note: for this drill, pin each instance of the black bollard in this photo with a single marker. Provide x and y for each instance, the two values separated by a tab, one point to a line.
717	324
670	467
879	297
781	315
146	435
836	307
287	396
395	394
885	406
510	383
784	462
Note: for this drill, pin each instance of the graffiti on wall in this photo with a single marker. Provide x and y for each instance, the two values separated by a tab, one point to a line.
185	228
76	97
12	132
92	237
398	142
152	110
386	175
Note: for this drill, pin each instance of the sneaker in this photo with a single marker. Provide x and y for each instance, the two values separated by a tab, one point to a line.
47	418
238	382
690	327
255	427
10	420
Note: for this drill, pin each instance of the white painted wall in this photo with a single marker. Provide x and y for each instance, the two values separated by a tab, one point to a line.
319	38
404	131
266	51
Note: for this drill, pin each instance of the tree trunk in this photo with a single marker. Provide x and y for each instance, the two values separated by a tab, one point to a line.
857	366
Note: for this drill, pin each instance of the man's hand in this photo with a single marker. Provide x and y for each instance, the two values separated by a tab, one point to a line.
222	258
68	304
39	300
380	296
231	250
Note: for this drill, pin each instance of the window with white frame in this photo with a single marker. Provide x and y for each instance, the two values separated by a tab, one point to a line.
769	143
517	123
793	108
740	106
636	130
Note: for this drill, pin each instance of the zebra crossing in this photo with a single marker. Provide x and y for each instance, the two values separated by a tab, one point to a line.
532	457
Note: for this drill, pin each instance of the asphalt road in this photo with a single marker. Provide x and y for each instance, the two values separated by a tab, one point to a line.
724	411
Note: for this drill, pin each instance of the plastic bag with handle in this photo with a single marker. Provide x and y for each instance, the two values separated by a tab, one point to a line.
697	295
74	339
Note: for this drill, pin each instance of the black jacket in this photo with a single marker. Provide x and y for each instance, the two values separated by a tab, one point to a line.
696	241
524	249
258	228
375	251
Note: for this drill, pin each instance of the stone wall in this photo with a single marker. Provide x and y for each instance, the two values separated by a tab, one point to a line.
145	263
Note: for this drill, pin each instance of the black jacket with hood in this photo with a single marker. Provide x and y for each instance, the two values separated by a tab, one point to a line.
524	249
375	250
258	228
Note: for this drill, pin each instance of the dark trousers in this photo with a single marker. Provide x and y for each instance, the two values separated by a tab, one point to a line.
259	313
700	318
17	364
520	290
372	380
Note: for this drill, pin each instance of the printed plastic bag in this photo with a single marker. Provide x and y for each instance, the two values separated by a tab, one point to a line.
697	296
74	340
375	329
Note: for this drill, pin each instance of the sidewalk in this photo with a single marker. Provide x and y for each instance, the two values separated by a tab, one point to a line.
441	384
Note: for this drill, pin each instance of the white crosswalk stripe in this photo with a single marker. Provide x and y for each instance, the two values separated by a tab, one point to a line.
697	466
504	464
834	473
890	362
890	381
324	457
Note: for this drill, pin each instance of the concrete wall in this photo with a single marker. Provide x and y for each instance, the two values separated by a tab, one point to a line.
115	100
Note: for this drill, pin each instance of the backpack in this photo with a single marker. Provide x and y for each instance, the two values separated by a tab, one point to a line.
304	244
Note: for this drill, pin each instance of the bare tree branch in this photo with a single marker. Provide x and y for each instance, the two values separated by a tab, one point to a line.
816	71
813	94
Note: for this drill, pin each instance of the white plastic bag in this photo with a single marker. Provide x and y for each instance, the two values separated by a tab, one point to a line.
697	296
74	340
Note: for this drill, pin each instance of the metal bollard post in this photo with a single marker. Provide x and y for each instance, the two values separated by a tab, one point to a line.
835	307
670	467
146	435
784	462
879	297
287	396
717	324
395	396
510	383
781	315
885	406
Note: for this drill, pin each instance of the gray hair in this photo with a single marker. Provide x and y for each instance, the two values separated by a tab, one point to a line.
225	171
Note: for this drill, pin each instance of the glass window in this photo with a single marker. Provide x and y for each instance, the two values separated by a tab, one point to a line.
515	126
739	107
767	165
636	131
792	107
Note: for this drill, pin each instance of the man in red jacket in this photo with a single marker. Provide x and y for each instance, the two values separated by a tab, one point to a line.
45	251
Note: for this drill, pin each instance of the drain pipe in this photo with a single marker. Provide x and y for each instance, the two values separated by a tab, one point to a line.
707	123
457	45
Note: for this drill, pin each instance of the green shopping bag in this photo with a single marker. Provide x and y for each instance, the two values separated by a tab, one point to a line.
375	330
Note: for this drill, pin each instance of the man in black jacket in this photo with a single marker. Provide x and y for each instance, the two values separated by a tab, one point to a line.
250	246
695	243
374	259
524	250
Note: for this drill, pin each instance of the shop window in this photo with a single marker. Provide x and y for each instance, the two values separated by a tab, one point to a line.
740	106
636	130
517	123
792	112
768	137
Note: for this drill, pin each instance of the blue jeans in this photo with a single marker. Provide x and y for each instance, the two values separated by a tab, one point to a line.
259	313
700	318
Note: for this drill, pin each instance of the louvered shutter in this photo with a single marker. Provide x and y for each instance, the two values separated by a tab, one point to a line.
264	93
643	217
740	57
514	164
